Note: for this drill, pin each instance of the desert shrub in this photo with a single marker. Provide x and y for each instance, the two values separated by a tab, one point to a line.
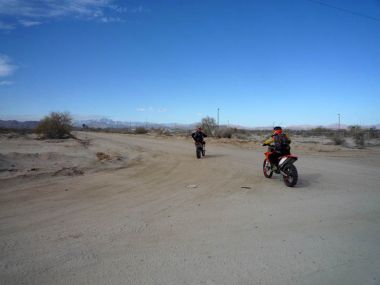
140	131
209	126
162	132
338	140
55	126
373	133
242	136
358	135
359	139
224	133
103	156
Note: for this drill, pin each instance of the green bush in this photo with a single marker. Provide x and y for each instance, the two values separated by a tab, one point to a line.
55	126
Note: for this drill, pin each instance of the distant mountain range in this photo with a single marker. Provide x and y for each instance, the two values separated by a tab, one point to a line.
108	123
309	127
13	124
97	123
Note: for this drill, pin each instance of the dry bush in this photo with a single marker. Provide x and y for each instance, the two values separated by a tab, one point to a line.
359	139
55	126
69	171
224	133
209	126
242	136
338	140
140	131
163	132
103	156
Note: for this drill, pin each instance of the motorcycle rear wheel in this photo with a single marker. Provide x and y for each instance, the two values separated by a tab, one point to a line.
267	169
198	152
291	177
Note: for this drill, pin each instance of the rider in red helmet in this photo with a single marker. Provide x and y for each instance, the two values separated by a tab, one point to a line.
199	135
281	145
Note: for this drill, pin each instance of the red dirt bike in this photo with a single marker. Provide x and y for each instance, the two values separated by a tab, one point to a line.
200	149
285	167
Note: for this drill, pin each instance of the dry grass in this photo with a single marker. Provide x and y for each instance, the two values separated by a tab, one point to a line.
103	156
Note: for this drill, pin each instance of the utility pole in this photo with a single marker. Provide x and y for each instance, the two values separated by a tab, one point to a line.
218	118
338	121
339	124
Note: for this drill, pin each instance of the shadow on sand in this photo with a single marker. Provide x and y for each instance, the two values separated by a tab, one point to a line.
214	155
305	180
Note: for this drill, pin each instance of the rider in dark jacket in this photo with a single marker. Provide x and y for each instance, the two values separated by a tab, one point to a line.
199	136
281	145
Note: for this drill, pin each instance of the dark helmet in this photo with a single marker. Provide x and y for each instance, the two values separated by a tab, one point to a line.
199	129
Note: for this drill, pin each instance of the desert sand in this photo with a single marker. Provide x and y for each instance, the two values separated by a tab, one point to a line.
126	209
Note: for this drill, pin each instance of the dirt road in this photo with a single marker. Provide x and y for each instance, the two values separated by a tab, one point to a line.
164	217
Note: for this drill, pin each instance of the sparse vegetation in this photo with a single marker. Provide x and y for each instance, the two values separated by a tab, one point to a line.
209	126
338	140
140	131
359	139
162	132
21	132
103	156
224	133
55	126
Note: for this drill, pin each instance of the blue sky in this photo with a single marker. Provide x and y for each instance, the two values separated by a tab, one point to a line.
288	62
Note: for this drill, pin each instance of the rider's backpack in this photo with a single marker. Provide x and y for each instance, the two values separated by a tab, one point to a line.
281	142
198	137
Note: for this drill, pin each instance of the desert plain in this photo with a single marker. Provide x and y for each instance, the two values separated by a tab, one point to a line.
128	209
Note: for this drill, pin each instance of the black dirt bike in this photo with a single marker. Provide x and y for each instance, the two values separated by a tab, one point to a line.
200	149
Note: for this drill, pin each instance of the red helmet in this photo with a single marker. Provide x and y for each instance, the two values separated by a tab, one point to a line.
277	130
199	129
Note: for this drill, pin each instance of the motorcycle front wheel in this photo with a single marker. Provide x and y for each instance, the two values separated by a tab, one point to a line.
267	169
291	177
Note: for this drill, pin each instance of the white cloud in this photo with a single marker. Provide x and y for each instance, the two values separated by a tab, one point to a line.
51	8
3	83
6	68
111	20
27	23
151	109
132	10
6	26
29	13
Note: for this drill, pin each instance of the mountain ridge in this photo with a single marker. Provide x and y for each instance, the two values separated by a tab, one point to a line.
109	123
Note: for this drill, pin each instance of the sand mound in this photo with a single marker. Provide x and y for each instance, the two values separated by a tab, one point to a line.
24	156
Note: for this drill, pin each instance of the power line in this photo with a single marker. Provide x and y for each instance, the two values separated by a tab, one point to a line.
345	10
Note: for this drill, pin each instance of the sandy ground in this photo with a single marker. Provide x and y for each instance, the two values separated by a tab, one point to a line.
146	211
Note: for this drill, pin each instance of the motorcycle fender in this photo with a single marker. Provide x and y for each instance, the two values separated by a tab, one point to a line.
282	161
